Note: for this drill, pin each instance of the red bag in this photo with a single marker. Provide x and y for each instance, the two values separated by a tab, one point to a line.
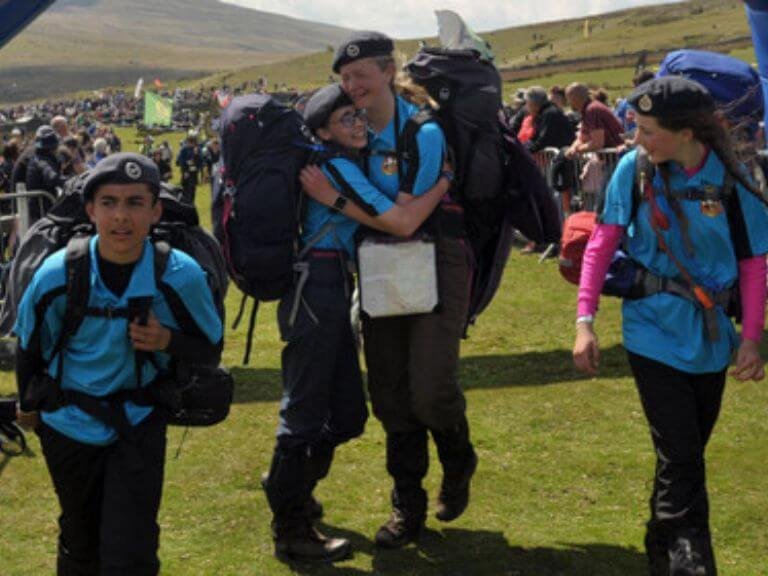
577	230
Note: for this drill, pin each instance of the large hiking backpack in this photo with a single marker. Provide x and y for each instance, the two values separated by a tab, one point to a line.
264	146
497	181
733	83
67	222
256	205
179	226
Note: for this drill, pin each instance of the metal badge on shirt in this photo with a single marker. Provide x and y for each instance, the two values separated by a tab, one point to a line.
711	207
389	165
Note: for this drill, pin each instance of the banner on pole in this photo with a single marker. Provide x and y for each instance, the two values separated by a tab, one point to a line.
158	111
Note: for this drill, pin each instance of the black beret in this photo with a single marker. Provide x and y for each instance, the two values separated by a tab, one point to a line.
365	44
670	95
46	138
123	168
322	103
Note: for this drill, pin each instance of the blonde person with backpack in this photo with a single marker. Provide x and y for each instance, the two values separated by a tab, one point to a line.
413	358
323	402
697	229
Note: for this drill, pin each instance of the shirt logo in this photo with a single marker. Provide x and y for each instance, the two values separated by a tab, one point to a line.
711	208
389	166
645	103
353	50
445	93
132	170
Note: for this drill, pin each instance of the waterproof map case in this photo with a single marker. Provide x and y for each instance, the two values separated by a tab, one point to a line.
397	278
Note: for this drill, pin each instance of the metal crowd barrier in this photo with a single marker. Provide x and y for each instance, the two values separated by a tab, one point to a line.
19	212
594	169
591	173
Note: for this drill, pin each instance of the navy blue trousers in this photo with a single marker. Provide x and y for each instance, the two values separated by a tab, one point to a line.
323	401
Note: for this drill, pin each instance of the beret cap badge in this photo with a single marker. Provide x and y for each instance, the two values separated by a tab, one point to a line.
645	104
132	170
353	50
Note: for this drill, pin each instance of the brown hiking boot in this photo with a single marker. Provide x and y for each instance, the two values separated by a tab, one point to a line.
406	522
310	545
454	492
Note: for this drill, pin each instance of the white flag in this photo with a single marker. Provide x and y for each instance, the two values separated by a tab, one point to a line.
139	86
456	35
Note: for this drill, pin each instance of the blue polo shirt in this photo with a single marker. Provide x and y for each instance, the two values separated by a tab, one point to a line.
99	359
668	328
382	165
361	191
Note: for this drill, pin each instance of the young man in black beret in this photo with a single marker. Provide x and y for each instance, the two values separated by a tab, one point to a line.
105	453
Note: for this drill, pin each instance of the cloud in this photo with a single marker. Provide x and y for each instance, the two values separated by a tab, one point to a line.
415	18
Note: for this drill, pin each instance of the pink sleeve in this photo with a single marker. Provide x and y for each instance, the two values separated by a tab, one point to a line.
752	291
602	246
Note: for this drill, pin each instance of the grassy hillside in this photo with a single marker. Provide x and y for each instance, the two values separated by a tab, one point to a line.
110	42
561	489
112	60
661	27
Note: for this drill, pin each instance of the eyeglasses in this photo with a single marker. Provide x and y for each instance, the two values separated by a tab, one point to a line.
348	120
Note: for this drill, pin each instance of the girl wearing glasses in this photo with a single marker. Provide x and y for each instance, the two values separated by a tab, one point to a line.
324	403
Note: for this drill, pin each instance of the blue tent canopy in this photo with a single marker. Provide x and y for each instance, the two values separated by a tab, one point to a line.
15	15
757	12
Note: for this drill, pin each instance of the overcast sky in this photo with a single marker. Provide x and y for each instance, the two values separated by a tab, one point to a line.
415	18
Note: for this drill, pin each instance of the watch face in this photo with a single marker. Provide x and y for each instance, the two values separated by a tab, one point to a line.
340	203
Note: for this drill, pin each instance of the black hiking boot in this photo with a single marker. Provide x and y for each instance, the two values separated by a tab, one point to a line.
406	523
459	462
656	551
691	555
314	506
305	543
454	492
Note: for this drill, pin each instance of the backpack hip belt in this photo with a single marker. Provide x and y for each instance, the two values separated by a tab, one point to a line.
651	284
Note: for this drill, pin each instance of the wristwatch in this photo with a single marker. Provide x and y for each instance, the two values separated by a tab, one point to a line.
586	319
339	204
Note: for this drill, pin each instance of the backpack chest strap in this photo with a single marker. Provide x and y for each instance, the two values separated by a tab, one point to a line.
107	312
703	194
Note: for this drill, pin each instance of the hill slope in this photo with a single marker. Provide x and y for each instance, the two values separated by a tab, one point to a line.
698	23
92	43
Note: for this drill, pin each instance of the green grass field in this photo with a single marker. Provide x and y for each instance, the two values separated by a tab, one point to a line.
565	463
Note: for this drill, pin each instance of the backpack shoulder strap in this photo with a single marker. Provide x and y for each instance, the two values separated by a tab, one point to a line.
408	148
644	170
737	225
77	261
162	251
347	189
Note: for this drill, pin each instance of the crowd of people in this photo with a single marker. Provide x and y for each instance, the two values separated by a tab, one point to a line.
698	223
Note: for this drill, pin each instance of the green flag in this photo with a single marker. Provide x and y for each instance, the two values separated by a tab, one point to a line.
157	110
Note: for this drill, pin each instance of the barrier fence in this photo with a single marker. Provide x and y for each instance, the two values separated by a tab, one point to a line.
579	181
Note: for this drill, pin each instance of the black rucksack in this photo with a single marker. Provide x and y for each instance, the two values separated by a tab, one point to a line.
179	226
257	199
497	182
67	225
